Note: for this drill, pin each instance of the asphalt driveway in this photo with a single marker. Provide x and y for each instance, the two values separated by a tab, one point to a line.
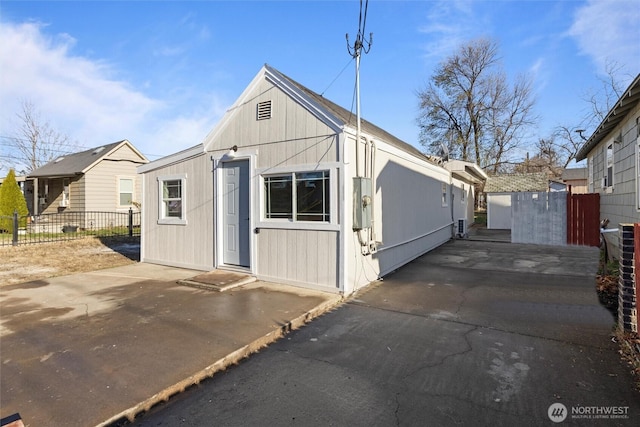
473	333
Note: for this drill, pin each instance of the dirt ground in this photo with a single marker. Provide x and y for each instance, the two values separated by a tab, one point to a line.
41	260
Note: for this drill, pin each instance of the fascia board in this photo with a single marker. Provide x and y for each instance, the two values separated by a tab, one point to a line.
172	159
313	107
226	119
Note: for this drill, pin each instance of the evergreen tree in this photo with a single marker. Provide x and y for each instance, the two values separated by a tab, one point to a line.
12	199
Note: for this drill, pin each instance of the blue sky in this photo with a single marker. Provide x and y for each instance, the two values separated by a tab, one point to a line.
162	73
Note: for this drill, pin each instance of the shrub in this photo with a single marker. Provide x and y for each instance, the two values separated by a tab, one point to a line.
11	200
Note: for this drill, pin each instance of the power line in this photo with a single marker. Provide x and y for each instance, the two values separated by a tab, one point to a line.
336	78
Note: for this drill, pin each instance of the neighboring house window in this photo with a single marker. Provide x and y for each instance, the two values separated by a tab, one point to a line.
300	196
609	175
462	194
172	199
125	191
444	194
66	194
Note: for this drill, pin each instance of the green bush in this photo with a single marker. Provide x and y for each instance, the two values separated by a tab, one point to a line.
11	200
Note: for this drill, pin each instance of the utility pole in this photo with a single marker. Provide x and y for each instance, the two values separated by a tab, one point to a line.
355	51
363	196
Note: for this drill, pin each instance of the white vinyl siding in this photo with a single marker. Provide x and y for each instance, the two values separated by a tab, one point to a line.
174	243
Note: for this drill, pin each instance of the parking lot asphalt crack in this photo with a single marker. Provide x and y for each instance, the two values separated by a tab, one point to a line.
431	316
443	359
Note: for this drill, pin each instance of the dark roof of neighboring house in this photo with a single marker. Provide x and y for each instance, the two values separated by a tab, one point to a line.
76	163
349	118
627	101
538	181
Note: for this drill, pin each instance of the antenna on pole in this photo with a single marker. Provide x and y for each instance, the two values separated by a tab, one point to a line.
361	44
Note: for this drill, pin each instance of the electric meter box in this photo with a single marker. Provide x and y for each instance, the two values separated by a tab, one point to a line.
362	203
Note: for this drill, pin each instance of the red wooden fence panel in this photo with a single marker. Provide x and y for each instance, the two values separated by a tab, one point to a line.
583	219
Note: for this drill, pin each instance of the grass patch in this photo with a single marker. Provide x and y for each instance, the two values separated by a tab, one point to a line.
480	218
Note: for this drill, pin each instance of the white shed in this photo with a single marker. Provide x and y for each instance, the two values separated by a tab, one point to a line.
499	190
280	190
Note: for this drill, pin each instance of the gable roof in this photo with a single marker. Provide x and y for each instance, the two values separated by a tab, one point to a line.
79	163
348	118
538	181
329	112
629	99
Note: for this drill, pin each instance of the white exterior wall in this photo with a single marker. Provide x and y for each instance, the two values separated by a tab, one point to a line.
292	140
499	211
463	206
190	245
409	218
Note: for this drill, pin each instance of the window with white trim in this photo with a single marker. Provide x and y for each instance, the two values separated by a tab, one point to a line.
590	174
125	191
609	170
297	196
66	192
444	194
172	209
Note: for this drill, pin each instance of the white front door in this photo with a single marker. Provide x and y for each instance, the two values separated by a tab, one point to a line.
235	208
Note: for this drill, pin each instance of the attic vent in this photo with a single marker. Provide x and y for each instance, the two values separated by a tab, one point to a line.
97	150
264	110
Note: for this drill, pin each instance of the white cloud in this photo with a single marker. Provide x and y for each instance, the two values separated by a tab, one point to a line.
608	30
86	99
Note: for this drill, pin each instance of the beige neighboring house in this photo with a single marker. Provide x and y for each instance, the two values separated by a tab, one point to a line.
103	178
576	180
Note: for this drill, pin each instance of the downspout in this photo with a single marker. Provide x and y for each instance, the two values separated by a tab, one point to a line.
373	247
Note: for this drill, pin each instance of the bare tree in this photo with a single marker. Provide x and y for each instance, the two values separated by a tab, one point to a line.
545	160
35	142
469	106
568	139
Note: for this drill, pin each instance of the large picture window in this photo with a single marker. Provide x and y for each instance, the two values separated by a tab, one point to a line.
300	196
172	200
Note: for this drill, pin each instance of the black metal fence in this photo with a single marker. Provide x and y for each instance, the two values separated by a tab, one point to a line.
20	230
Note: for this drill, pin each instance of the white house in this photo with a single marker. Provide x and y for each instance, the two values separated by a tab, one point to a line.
281	190
613	162
465	177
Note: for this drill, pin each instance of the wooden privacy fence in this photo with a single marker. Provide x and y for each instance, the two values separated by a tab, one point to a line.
583	219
